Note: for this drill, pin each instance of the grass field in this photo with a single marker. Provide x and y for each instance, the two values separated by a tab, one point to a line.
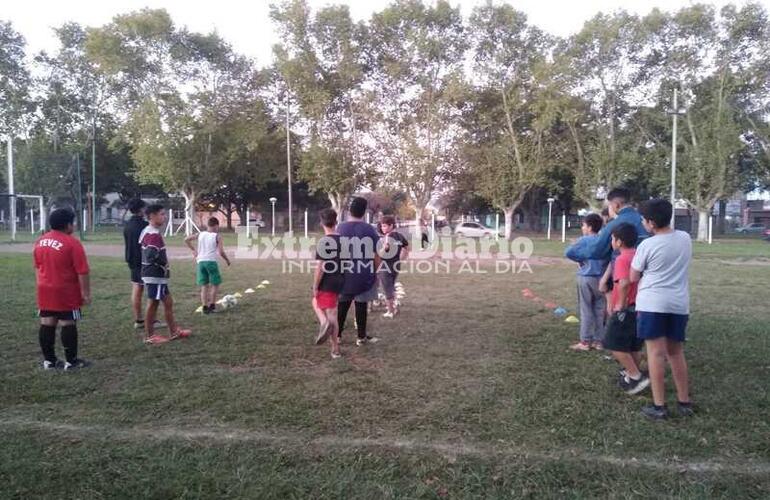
472	393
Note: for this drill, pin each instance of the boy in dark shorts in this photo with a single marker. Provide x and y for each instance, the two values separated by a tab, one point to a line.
328	282
661	266
620	337
155	275
63	286
133	252
394	248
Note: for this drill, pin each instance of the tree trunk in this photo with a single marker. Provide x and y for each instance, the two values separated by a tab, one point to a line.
703	225
229	219
508	213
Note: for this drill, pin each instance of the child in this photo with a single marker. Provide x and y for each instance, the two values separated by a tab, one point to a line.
155	275
393	248
591	301
621	328
661	266
63	286
328	282
208	276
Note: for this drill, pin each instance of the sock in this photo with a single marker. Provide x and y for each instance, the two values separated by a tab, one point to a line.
69	339
639	377
661	407
47	336
687	404
362	312
140	321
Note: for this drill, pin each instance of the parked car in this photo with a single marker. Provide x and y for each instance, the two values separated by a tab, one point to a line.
111	221
754	227
767	234
257	223
473	230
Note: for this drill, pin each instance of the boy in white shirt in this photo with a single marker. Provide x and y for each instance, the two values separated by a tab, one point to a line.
661	266
208	276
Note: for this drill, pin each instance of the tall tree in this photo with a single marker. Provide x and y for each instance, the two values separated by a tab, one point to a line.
321	65
716	60
14	80
511	124
602	66
417	52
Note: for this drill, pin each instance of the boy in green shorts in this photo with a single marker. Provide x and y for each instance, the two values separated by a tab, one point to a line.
209	278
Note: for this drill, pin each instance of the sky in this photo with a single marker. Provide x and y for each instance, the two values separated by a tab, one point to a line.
246	24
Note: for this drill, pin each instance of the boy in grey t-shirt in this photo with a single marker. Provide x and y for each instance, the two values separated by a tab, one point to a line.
662	265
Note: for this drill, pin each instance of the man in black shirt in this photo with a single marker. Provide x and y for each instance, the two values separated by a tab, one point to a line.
131	231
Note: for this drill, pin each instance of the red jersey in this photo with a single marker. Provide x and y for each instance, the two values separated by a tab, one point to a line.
59	259
622	270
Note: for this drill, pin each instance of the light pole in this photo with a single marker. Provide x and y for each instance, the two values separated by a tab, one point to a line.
288	159
273	199
11	192
550	209
675	112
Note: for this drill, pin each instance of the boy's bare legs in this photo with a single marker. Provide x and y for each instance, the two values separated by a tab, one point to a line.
331	317
136	300
168	311
213	291
656	359
149	319
320	314
675	351
205	296
628	362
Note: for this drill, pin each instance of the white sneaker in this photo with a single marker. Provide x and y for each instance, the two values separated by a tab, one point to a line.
389	315
336	356
367	340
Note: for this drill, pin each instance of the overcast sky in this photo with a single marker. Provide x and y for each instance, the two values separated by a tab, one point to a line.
247	26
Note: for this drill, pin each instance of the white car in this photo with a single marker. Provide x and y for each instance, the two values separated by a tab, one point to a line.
473	230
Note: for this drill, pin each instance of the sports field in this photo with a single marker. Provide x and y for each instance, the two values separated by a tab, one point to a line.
471	393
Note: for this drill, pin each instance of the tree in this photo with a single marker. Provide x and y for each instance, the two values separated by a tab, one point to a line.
602	66
320	63
416	52
14	80
512	119
716	61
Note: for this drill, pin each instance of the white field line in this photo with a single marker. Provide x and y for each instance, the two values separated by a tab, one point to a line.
444	448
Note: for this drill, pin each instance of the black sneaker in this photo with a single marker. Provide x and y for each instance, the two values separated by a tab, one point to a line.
684	409
53	365
631	386
76	365
654	412
206	310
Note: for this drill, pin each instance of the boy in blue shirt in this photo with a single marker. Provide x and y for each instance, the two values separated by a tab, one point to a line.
591	300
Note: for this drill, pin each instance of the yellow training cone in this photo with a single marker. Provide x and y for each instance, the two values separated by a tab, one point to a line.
237	295
571	319
265	282
199	310
249	290
261	286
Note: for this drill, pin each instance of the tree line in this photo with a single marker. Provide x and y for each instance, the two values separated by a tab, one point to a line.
416	102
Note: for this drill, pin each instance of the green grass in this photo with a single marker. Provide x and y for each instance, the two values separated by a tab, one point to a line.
472	393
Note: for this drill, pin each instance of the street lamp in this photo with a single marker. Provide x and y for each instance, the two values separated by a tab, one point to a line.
272	202
550	209
675	112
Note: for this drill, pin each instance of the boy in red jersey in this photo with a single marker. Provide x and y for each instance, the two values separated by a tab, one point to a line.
63	286
620	337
